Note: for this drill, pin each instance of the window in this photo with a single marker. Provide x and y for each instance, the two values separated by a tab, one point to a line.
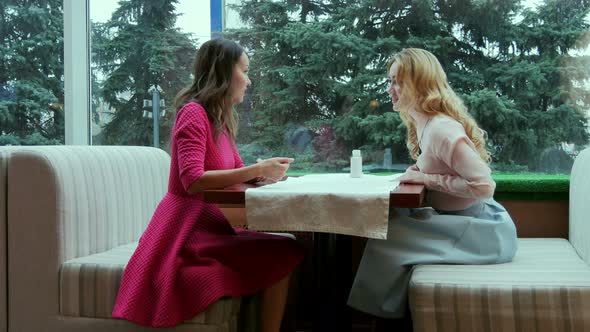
319	88
31	73
141	56
318	72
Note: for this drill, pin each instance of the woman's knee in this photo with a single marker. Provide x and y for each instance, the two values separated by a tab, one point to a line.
508	244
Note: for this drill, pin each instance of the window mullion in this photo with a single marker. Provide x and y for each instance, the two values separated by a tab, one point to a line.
76	72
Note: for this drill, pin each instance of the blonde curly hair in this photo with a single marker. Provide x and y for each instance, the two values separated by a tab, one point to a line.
425	89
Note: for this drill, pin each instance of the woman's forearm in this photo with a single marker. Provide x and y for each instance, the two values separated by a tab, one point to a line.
222	178
479	188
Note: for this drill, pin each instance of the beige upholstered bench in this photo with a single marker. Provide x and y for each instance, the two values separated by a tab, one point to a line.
74	214
545	288
88	288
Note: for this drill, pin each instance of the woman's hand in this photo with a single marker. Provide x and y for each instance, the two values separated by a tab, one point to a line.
256	180
413	167
274	169
412	176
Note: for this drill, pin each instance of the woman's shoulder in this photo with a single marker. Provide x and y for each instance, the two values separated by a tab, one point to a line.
445	131
445	120
445	126
192	107
191	110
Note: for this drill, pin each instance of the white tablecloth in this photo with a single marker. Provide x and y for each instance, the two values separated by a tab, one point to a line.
331	203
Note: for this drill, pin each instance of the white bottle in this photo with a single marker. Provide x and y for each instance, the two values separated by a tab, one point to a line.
356	164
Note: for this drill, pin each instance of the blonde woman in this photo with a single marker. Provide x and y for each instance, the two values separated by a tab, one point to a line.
463	224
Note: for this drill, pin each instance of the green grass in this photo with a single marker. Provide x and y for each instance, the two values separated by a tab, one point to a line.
532	187
532	182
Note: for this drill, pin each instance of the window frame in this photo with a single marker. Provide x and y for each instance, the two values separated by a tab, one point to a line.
77	72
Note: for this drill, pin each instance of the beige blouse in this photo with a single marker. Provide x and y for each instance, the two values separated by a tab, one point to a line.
454	173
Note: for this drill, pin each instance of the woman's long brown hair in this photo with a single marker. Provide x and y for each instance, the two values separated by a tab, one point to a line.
213	72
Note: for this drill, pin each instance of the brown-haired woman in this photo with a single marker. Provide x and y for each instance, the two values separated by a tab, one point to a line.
190	256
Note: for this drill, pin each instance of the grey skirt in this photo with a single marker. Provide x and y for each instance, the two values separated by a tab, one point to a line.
482	234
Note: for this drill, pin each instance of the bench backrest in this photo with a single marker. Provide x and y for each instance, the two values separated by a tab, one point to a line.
579	230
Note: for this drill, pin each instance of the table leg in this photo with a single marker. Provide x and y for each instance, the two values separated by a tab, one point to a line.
333	279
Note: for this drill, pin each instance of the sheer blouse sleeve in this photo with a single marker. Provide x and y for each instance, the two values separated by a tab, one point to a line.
451	145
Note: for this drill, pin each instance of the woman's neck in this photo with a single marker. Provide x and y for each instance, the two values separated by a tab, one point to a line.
420	119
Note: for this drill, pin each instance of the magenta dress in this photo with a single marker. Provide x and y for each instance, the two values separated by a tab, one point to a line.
190	256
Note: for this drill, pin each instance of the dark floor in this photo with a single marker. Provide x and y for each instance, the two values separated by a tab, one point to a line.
319	308
359	323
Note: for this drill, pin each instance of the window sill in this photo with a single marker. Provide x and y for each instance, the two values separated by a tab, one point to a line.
531	187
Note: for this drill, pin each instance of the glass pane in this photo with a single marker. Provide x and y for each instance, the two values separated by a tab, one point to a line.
319	80
318	72
31	73
141	56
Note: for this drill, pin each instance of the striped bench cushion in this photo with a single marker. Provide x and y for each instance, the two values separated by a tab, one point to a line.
545	288
89	286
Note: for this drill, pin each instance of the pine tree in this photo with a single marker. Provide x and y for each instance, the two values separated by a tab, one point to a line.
535	94
323	61
31	72
137	49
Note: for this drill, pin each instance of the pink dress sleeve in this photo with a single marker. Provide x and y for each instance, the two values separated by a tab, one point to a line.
238	160
191	132
473	180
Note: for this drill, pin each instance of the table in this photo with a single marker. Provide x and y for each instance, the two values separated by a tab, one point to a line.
404	196
331	281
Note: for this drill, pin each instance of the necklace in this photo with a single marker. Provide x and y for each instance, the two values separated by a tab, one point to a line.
423	130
